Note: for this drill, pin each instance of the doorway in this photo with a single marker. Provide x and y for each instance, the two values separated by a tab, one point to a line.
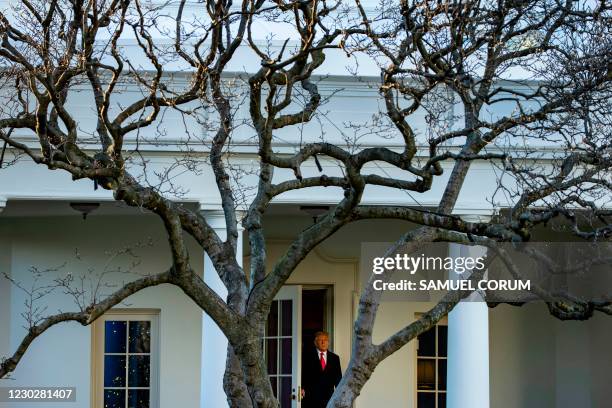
296	314
317	314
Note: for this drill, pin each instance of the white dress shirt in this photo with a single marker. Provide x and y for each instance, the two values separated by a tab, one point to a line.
324	355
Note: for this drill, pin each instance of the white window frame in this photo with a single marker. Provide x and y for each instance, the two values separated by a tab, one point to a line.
442	322
97	355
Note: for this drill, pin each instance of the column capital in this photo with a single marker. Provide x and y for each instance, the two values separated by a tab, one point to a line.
215	216
210	207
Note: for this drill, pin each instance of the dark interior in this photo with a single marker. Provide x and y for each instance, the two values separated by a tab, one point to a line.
314	315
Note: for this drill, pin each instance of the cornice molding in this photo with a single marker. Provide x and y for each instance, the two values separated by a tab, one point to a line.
171	146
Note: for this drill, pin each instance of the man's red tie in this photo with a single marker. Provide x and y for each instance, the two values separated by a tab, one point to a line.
322	359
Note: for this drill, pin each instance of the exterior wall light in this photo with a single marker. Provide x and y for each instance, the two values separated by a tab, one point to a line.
84	208
315	211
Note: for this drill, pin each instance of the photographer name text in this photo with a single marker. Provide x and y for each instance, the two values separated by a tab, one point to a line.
451	284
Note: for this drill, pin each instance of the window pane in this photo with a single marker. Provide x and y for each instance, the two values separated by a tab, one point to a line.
442	340
114	371
286	322
426	374
442	374
285	389
272	355
273	383
138	398
272	327
427	343
426	400
140	337
114	336
139	371
286	356
114	398
441	400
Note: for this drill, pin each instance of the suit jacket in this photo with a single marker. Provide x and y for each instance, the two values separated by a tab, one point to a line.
319	384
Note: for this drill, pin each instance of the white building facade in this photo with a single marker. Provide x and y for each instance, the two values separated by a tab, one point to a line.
480	357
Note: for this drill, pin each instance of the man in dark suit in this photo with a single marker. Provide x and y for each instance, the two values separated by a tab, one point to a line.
321	373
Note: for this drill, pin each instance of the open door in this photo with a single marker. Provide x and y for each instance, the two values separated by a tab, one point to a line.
282	344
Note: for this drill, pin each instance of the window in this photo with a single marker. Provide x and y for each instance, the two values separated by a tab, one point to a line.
431	357
278	349
125	345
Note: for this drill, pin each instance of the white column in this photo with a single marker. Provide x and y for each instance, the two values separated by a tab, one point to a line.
468	344
214	342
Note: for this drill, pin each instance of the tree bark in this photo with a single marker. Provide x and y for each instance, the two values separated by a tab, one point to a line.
250	354
233	382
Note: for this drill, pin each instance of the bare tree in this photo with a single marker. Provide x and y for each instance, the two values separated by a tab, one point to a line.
432	55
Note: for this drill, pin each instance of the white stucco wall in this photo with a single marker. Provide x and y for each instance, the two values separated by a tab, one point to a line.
601	360
573	360
522	358
62	356
538	361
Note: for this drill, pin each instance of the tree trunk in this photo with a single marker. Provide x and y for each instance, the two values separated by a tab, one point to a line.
350	386
233	382
254	373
